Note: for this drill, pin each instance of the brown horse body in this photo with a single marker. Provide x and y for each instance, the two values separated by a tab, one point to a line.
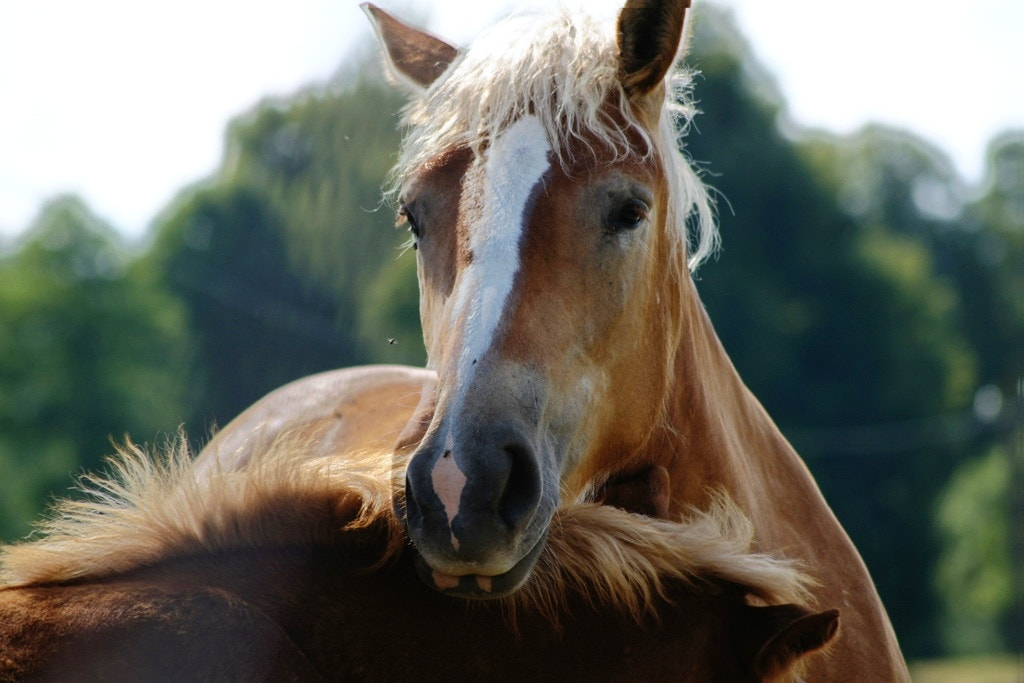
301	616
274	577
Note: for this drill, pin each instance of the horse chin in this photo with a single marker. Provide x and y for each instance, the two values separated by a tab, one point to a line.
479	586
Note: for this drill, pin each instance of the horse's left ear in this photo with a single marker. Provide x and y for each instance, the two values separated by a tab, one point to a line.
649	32
415	58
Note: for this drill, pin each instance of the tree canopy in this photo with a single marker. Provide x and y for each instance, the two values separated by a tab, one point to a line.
91	348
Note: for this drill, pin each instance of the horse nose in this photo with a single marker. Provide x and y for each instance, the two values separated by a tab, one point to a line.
470	503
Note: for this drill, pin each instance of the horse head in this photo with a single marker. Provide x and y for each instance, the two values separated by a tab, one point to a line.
548	205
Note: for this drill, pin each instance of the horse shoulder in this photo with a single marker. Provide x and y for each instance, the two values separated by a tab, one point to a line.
353	409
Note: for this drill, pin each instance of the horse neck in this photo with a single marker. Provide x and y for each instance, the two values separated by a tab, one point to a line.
715	433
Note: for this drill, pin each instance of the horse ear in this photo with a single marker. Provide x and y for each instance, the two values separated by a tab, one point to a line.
645	492
786	634
416	58
649	32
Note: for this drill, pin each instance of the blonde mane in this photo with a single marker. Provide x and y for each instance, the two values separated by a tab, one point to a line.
154	508
562	67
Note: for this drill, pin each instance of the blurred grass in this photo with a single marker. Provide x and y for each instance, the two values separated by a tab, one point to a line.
1004	669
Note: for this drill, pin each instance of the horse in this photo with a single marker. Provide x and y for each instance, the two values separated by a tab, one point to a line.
556	225
296	569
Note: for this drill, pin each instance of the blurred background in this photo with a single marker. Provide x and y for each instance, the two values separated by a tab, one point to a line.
161	267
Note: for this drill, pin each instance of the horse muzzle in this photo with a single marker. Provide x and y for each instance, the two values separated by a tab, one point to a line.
476	509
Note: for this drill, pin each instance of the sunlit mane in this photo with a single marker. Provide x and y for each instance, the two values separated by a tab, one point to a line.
154	508
563	68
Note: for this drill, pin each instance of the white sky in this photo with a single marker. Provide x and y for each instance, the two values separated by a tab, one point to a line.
125	102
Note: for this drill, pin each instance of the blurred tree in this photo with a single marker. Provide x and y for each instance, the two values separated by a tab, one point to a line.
391	310
320	163
890	182
844	328
883	176
974	576
288	259
1003	203
997	223
256	323
91	348
1001	211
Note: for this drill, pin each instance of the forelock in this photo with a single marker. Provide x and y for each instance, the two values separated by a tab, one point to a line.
563	68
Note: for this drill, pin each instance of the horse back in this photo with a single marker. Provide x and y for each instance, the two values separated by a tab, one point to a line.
349	410
142	631
290	614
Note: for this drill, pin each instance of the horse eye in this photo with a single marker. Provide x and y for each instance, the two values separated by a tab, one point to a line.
629	216
406	217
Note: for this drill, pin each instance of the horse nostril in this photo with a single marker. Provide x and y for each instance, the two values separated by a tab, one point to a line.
412	506
521	495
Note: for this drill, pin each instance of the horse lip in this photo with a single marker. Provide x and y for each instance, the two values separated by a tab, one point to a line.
478	586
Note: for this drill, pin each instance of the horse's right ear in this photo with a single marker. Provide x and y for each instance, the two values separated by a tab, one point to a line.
416	58
780	635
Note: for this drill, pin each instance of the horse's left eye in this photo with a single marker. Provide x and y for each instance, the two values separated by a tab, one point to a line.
628	216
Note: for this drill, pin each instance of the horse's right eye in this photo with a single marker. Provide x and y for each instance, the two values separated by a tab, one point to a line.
406	217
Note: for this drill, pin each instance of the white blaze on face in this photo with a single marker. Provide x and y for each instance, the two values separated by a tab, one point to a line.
502	186
515	163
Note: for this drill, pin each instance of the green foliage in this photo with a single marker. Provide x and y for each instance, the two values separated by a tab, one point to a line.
287	259
929	363
1003	204
90	348
888	180
320	164
995	280
898	188
391	311
256	323
974	576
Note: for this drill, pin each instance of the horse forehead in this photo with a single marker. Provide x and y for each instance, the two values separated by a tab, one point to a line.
444	173
588	160
575	154
511	164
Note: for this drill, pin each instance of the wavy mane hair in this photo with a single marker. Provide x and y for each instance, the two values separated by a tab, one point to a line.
562	67
153	508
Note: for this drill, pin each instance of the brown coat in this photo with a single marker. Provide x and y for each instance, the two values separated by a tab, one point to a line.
288	572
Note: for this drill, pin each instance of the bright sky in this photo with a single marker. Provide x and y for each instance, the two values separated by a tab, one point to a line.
125	102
